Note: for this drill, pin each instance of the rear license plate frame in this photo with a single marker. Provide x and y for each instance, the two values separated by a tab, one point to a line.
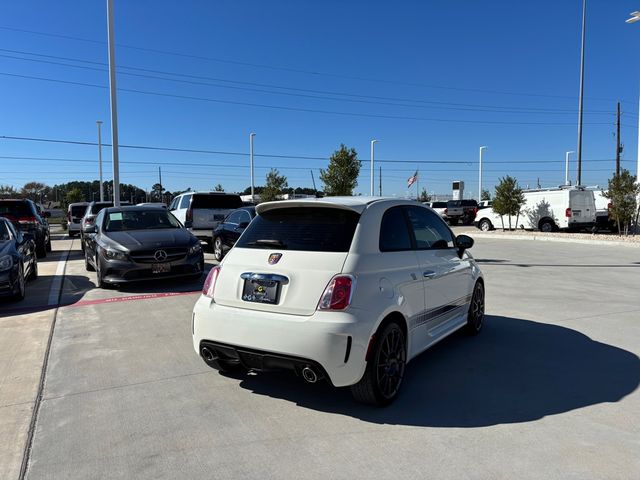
261	291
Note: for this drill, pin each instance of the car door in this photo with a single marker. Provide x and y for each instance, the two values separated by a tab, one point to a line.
230	229
398	267
447	277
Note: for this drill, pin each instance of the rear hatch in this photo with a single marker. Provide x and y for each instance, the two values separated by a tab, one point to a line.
77	212
582	205
285	259
209	209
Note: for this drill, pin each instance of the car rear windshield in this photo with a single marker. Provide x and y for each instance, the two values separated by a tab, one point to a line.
438	204
78	210
152	219
310	229
216	200
17	208
96	207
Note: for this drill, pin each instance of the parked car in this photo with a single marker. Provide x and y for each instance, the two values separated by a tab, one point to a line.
89	216
461	211
603	206
130	243
226	234
438	207
18	260
347	289
485	204
25	217
75	212
201	212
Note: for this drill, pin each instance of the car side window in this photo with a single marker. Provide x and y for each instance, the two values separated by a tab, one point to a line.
184	203
99	219
394	231
174	203
234	218
429	231
245	217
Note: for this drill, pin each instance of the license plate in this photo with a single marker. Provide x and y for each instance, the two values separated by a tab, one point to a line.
160	268
261	291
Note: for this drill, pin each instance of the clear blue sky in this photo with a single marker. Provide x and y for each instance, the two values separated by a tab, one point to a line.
431	80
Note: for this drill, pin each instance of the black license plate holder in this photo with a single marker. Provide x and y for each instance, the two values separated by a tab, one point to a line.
261	291
160	268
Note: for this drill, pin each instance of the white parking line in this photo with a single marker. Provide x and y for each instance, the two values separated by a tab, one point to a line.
56	284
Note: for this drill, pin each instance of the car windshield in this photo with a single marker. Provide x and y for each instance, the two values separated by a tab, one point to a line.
4	232
78	210
152	219
307	228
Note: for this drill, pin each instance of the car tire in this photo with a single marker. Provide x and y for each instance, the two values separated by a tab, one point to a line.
20	293
218	249
71	234
383	375
48	244
34	269
81	243
475	317
87	264
100	283
485	225
547	225
41	249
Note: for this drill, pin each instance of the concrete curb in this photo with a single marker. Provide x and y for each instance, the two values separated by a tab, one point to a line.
544	238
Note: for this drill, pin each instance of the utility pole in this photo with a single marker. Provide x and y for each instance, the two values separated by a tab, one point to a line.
373	142
99	123
380	177
313	180
417	185
482	149
584	20
160	182
114	108
251	135
618	145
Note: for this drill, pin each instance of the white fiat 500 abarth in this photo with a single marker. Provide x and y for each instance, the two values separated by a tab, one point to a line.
346	289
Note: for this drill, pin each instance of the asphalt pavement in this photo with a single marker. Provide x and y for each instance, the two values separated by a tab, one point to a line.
547	390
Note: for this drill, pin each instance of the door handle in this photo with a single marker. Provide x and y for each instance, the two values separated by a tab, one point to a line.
428	274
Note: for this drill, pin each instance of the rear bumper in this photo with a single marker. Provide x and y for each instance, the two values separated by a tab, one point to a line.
581	224
333	342
202	234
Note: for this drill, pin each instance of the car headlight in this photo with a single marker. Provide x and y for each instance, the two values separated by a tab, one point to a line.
197	248
6	263
114	254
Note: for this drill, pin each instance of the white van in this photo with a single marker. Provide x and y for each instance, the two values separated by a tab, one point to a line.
201	212
564	208
75	212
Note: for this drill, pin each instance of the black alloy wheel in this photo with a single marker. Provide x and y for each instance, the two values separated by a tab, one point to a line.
383	376
475	317
34	268
87	264
20	291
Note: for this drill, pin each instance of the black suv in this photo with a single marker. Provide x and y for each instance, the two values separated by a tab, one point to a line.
25	217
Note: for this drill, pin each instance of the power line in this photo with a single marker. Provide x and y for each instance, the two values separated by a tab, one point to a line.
299	109
290	69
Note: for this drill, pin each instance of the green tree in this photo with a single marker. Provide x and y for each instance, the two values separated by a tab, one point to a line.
341	176
218	188
156	192
7	191
486	195
274	186
508	199
623	192
424	196
74	195
33	190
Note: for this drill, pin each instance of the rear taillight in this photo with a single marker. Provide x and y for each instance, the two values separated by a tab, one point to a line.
210	283
567	213
609	206
475	210
69	216
337	295
88	220
446	210
27	220
189	215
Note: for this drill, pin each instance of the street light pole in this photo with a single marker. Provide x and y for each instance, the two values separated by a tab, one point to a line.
251	135
635	17
482	149
581	101
373	142
99	123
114	108
566	167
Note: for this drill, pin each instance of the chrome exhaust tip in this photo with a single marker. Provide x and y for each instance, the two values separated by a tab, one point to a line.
309	375
207	354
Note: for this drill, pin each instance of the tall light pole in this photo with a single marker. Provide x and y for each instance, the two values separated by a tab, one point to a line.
99	123
566	167
251	135
581	101
373	142
635	16
482	149
114	108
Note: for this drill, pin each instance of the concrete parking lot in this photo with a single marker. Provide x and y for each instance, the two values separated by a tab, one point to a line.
547	390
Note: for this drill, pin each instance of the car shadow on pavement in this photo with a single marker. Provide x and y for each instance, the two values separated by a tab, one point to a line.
514	371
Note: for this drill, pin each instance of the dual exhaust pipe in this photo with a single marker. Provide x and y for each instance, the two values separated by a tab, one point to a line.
308	373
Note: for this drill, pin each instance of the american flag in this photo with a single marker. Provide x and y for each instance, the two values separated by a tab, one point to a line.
412	179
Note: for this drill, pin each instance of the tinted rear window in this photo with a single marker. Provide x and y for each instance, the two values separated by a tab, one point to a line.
78	210
95	209
227	202
439	205
305	228
15	208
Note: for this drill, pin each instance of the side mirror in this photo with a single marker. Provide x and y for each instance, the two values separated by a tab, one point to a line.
90	229
463	242
243	224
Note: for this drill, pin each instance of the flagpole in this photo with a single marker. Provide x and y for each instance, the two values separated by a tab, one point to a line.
417	185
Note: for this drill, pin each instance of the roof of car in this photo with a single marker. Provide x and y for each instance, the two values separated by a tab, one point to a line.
356	203
136	208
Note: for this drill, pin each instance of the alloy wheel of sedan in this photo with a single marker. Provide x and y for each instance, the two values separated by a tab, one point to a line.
21	292
475	318
217	249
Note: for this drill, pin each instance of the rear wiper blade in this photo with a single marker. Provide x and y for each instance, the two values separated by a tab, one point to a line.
265	242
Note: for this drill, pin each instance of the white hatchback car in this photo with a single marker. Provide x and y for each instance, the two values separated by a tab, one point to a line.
348	289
